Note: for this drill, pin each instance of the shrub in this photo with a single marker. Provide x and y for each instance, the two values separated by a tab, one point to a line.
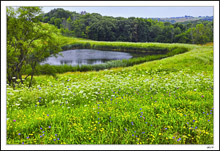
48	70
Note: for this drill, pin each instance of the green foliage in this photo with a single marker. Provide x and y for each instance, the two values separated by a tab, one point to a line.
156	102
58	13
51	20
28	41
105	28
200	36
47	69
152	52
57	22
46	19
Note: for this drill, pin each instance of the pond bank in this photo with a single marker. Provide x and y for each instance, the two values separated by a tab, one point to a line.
160	51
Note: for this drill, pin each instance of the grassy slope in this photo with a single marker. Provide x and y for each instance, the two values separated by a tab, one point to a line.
155	51
151	103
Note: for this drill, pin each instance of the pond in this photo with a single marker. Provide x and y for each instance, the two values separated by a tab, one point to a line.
86	56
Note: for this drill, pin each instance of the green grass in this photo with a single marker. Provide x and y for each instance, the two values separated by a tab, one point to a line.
155	51
109	106
53	69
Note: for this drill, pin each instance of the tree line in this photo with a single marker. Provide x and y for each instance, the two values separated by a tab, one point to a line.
106	28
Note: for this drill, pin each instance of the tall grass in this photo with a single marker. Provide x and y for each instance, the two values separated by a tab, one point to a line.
155	48
156	51
167	101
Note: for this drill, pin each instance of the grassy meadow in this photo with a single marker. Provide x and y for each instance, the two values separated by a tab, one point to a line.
166	101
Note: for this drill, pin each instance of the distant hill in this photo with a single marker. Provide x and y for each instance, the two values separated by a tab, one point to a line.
184	19
94	26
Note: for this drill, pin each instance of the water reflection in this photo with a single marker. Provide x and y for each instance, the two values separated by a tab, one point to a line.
86	56
66	61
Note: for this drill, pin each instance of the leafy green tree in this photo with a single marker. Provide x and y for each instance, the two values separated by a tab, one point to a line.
155	31
69	22
40	17
168	34
134	28
123	30
200	34
57	22
46	19
182	38
26	36
143	29
180	26
42	48
66	31
177	31
79	28
52	20
103	30
209	31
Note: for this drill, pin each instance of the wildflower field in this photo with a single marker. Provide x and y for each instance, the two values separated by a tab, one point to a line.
167	101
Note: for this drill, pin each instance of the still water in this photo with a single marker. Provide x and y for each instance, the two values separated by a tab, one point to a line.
86	56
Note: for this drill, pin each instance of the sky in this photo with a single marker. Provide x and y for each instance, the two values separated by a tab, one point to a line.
149	12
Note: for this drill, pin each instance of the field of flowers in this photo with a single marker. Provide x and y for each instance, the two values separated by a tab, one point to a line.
167	101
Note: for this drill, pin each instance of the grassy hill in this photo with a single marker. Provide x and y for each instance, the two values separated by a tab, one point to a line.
167	101
150	51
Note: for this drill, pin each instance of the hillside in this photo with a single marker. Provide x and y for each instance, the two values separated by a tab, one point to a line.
164	97
133	29
168	101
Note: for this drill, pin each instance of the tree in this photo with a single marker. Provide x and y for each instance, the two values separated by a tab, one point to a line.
69	22
180	26
26	38
46	19
200	34
177	31
103	30
97	27
209	31
79	28
167	34
57	22
134	28
143	30
123	30
155	31
52	20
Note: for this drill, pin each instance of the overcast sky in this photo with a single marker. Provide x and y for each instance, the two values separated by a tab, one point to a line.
142	11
